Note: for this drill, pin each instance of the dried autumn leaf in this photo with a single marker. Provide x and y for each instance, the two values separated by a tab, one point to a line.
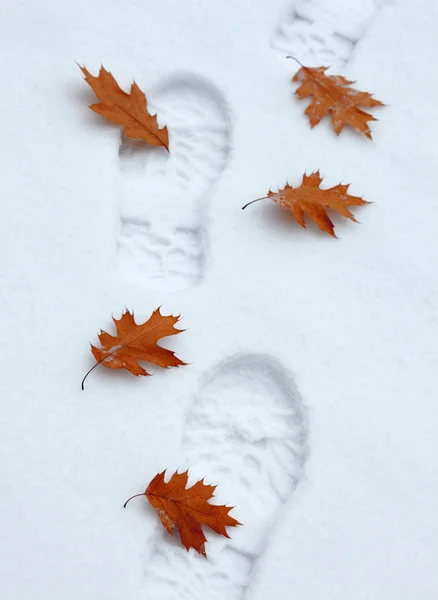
129	110
136	342
332	93
311	200
187	509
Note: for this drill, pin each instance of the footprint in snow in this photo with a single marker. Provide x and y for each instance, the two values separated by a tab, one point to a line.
319	32
164	196
246	431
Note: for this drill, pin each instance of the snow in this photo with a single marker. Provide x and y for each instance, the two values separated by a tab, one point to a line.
310	397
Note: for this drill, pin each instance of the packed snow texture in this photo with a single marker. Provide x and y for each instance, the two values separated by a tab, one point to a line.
310	398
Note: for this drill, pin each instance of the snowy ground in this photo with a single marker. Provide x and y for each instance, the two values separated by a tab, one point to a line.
311	394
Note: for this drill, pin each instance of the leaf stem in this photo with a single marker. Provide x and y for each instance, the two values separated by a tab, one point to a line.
129	499
88	372
296	60
256	200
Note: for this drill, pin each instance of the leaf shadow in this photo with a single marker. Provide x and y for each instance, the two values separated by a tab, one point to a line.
116	377
110	377
171	541
284	223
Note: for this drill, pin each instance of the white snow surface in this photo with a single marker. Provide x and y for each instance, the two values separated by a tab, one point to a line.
311	396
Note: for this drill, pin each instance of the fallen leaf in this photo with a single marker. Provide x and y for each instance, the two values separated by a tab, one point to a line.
136	342
311	200
332	93
129	110
187	509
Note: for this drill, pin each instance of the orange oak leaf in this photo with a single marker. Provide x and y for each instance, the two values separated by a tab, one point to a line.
136	342
332	93
311	200
187	509
129	110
